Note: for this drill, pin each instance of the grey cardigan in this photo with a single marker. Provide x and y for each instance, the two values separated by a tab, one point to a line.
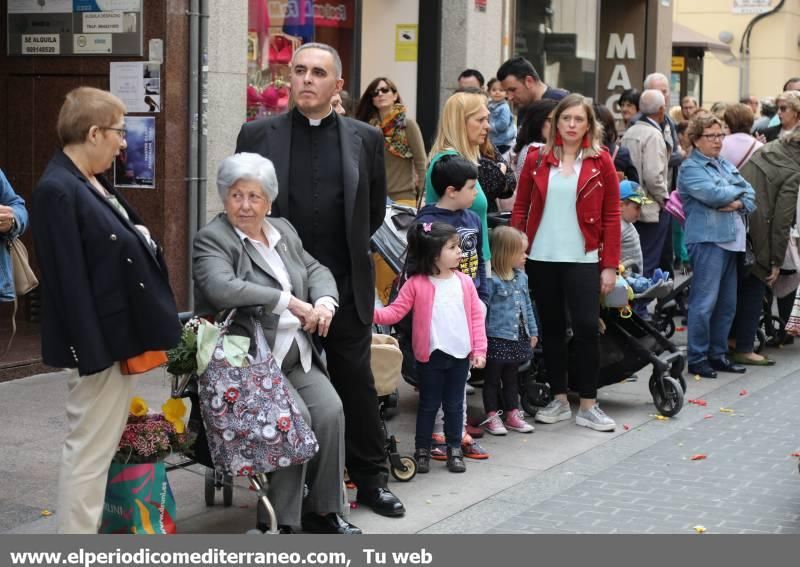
229	272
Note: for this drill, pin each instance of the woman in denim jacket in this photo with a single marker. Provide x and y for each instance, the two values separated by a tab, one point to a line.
13	222
511	331
716	200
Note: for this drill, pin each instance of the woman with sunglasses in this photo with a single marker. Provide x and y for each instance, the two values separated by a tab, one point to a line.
716	200
105	296
382	107
788	104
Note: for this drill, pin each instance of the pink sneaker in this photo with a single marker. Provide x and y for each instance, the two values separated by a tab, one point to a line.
493	424
515	422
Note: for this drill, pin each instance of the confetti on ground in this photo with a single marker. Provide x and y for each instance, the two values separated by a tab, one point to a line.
708	416
428	502
743	393
353	505
697	457
697	377
625	426
45	513
700	529
795	454
726	410
680	329
698	402
661	418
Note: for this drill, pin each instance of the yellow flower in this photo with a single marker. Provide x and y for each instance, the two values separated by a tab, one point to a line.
138	407
174	409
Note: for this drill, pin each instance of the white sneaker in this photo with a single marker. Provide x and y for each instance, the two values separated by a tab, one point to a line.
554	412
595	418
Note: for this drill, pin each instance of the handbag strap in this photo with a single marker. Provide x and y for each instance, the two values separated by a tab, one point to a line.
13	330
262	348
747	154
227	323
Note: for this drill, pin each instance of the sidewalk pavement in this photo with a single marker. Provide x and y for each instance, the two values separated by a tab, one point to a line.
558	467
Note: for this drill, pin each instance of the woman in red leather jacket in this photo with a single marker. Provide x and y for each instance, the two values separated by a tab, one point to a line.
568	205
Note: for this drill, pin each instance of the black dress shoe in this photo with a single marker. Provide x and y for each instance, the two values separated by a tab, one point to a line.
382	502
702	369
328	524
724	364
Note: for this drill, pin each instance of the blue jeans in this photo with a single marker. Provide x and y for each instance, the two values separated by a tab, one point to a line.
749	306
441	383
712	301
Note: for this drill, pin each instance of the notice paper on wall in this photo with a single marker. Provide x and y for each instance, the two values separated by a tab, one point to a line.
135	166
138	84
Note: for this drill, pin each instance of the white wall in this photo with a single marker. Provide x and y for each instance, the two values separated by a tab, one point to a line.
379	19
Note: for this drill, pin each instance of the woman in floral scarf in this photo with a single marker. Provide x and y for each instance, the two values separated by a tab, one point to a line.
381	106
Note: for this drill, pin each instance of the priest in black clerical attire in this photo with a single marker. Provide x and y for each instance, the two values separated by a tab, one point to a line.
332	187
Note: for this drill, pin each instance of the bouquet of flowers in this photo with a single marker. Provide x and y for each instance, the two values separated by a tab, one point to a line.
182	359
151	437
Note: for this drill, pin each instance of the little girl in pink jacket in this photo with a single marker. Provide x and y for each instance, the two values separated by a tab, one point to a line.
448	334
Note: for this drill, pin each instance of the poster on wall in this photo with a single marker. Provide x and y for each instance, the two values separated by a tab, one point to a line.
405	42
137	84
751	6
135	166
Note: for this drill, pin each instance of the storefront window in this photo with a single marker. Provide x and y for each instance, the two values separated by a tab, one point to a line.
276	28
560	38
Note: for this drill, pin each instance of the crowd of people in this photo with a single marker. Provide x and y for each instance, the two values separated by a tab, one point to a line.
304	192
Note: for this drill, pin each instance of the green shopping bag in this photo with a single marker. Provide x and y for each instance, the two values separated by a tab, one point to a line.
138	500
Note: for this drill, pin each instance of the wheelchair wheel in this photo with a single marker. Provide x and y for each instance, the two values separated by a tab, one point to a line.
227	490
669	401
211	487
405	475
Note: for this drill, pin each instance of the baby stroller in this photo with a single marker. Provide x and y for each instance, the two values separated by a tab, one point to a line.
386	363
627	344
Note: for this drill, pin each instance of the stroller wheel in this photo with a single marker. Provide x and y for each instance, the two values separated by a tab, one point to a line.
534	396
761	340
667	327
410	471
211	487
667	396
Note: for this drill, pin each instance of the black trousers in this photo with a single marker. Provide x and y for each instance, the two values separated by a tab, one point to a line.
500	384
347	350
561	288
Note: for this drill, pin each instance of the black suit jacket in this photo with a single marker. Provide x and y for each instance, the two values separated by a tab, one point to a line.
364	178
105	291
772	132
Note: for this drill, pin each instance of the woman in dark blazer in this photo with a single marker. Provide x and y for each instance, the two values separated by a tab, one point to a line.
242	260
105	295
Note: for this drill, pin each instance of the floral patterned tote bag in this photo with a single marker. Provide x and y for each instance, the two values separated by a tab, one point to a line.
252	422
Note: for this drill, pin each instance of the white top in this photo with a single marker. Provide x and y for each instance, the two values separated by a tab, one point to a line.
449	328
559	237
289	327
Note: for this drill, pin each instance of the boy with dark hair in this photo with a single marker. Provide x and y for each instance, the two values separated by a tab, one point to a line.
454	178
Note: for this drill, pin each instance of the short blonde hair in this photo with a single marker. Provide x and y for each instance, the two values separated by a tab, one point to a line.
83	108
701	120
505	245
595	131
452	132
791	98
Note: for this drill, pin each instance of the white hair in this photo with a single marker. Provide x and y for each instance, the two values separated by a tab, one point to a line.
651	102
337	61
247	166
652	78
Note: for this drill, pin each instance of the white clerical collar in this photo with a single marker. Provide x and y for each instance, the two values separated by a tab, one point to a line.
317	121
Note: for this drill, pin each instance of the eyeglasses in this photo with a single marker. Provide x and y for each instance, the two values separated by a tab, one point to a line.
382	90
783	109
713	137
121	131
